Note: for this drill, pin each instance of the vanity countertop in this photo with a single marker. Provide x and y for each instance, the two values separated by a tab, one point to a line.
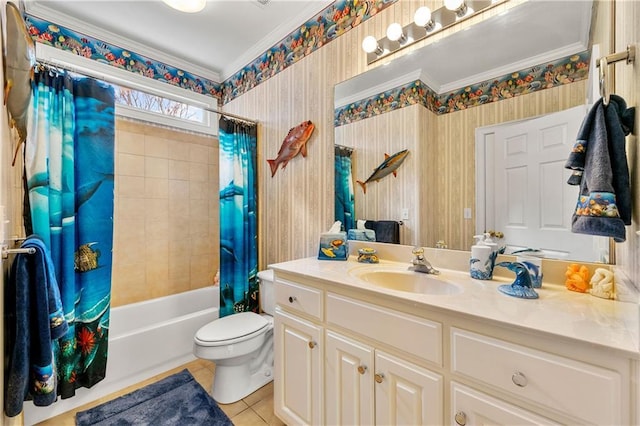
557	312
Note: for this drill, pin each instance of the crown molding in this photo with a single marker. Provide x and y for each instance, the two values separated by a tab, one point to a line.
36	8
275	36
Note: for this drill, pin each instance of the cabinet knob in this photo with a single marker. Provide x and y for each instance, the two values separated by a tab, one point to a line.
362	369
378	377
292	299
461	418
312	344
519	379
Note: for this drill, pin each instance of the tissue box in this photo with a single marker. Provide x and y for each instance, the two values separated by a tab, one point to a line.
333	246
361	234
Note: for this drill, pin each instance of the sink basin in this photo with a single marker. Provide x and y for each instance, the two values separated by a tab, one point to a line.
405	280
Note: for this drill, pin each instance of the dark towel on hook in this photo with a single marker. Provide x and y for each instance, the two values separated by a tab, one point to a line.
599	164
34	318
387	231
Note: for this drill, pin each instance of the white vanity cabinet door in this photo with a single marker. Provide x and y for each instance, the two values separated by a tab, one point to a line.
298	370
349	369
472	408
406	394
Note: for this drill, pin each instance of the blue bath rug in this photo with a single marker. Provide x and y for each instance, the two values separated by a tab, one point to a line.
176	400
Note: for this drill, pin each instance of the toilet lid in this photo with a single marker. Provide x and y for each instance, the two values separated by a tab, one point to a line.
232	327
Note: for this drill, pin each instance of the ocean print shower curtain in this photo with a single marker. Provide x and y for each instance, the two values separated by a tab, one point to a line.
344	196
69	168
238	217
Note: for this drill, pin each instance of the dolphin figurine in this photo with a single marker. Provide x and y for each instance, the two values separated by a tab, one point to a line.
389	165
522	286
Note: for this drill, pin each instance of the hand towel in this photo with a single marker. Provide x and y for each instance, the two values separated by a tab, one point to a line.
361	234
599	163
34	319
387	231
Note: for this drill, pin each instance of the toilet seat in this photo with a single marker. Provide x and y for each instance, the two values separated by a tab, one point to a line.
231	329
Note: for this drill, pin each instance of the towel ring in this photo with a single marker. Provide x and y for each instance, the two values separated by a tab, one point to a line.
602	79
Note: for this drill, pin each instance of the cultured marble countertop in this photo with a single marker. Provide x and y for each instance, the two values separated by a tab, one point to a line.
556	312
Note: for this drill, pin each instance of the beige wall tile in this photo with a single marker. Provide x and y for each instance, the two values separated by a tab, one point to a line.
156	167
156	188
130	143
130	165
130	186
156	147
179	190
156	209
198	172
178	151
199	154
179	169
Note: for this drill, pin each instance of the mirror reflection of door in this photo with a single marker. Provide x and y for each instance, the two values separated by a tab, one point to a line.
527	195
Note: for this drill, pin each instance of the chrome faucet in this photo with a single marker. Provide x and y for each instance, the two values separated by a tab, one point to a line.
420	263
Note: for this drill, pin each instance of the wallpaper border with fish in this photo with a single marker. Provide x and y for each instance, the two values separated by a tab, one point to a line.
325	26
328	24
551	74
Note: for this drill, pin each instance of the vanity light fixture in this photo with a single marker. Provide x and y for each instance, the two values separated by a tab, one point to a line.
425	23
187	6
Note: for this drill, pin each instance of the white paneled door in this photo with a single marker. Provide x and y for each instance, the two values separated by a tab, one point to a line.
527	195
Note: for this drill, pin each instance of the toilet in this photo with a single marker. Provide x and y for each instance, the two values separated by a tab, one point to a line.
241	346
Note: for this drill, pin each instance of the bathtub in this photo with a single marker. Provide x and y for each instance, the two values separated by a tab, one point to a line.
145	339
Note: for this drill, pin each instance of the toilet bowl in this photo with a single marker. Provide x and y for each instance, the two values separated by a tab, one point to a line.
241	346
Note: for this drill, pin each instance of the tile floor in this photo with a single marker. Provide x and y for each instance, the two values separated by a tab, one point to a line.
254	410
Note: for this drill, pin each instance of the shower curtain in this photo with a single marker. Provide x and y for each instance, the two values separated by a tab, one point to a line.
238	217
69	166
344	196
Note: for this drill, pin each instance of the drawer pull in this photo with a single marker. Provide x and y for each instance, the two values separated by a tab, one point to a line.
378	377
362	369
312	344
461	418
519	379
292	299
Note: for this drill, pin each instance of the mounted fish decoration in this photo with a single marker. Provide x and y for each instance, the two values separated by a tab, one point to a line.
389	165
20	59
294	143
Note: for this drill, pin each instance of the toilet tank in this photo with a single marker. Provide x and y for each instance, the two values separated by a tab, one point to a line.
267	302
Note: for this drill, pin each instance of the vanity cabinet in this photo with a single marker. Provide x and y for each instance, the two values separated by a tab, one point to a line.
345	355
366	386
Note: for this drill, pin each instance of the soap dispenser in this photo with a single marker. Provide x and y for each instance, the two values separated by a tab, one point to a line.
482	259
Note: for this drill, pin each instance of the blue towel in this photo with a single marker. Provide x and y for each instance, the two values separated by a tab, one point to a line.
34	319
361	234
599	164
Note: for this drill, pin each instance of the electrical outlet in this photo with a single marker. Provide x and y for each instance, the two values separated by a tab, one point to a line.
467	212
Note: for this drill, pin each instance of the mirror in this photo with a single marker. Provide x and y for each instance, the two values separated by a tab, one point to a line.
527	61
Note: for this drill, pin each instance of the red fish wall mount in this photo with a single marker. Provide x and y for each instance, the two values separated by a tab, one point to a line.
294	143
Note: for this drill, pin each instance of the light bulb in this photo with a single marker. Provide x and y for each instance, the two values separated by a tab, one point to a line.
370	44
457	6
188	6
394	32
453	4
422	18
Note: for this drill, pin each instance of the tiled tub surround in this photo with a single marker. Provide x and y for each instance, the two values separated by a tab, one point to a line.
166	225
580	354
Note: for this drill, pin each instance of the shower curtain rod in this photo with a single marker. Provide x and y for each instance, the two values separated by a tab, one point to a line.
90	73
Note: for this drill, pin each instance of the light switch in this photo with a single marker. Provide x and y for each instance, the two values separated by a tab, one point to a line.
467	213
405	214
